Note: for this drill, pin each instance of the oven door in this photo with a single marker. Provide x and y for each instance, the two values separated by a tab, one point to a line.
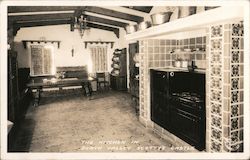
187	125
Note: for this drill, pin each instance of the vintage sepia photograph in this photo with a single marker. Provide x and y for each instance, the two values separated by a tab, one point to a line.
124	79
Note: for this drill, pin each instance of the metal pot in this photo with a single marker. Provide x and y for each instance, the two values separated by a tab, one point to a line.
186	11
160	18
131	28
144	25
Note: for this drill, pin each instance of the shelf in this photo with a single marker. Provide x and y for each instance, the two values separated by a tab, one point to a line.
191	23
40	41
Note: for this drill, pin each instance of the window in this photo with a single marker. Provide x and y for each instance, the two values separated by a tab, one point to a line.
42	60
99	59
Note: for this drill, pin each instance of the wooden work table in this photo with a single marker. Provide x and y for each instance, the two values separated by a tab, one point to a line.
38	83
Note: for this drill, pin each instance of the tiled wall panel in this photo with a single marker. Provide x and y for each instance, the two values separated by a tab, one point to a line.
225	88
223	59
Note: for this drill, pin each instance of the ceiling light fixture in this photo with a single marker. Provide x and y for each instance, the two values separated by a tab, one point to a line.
80	23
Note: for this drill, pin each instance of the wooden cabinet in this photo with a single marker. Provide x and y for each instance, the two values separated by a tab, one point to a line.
118	77
118	82
133	72
19	96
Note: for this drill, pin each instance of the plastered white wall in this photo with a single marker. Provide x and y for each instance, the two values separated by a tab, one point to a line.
69	40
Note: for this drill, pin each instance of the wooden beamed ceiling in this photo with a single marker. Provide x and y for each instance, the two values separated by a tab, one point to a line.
42	19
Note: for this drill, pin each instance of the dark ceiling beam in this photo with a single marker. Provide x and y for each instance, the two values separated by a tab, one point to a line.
40	17
42	23
107	28
18	9
93	9
145	9
63	21
106	21
115	14
63	16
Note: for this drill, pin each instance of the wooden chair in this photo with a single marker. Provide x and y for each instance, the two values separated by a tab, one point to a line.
102	81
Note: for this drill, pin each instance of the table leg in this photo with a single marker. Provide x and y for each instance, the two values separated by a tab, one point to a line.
90	88
87	89
37	97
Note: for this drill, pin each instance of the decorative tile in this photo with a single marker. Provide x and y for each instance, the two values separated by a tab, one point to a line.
234	97
235	70
216	109
216	83
216	134
216	31
216	57
234	123
235	83
216	121
215	146
234	137
235	43
237	30
216	70
216	96
235	148
234	110
216	44
235	57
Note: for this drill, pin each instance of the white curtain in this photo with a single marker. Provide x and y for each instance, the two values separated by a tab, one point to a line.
99	59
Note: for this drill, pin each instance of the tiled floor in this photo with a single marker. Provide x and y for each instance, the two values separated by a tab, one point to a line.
107	123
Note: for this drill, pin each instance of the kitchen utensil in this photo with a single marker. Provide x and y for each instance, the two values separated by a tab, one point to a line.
131	28
160	18
144	25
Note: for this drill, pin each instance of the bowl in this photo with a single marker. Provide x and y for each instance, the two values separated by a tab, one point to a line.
184	64
187	50
131	28
160	18
144	25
